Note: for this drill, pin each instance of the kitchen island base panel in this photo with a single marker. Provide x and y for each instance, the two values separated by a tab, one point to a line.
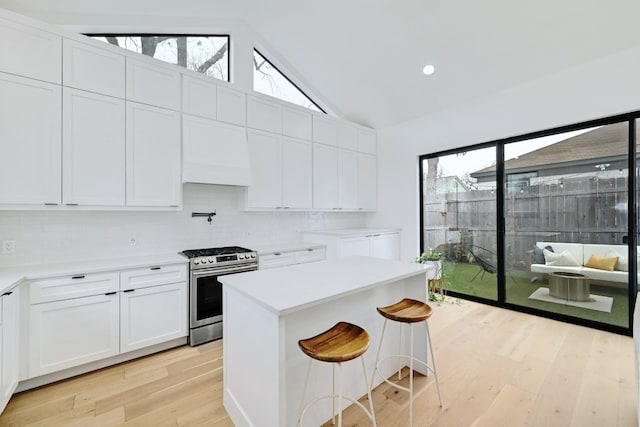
265	370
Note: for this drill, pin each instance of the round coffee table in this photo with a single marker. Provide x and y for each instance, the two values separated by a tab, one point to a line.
569	286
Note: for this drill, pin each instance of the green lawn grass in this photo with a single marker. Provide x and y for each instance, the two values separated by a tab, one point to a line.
458	278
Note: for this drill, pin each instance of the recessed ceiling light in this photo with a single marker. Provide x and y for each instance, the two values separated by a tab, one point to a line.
429	69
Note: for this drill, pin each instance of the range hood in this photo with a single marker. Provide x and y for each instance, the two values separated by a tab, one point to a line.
214	152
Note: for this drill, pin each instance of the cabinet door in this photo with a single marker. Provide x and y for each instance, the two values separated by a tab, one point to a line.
309	255
153	83
30	141
10	344
153	276
94	69
386	246
153	315
30	52
93	149
367	182
367	141
153	156
232	106
359	245
265	153
296	123
214	152
325	130
347	136
297	175
69	333
347	179
276	260
325	177
264	115
199	97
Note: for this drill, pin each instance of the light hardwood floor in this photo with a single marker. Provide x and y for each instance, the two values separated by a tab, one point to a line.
496	367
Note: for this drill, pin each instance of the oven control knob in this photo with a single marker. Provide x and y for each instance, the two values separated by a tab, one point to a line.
253	255
196	261
240	256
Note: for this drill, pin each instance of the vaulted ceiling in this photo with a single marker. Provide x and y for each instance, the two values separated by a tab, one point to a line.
365	57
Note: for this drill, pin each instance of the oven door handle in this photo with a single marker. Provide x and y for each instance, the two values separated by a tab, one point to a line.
216	272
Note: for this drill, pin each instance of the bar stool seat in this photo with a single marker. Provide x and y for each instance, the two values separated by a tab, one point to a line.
341	343
407	311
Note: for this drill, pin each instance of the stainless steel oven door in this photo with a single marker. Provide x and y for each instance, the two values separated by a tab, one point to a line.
205	294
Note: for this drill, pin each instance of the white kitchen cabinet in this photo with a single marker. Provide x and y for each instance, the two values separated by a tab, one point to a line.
264	115
152	315
380	243
325	177
367	182
232	106
150	82
296	123
287	257
9	344
153	276
347	179
325	130
76	286
214	152
68	333
93	142
30	141
199	97
358	245
367	141
265	151
385	246
93	69
297	186
347	135
153	156
30	52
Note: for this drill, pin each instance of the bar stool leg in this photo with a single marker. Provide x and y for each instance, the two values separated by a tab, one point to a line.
333	394
339	395
400	351
411	378
304	392
433	362
366	382
375	365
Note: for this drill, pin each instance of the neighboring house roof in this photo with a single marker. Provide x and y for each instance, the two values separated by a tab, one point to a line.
607	143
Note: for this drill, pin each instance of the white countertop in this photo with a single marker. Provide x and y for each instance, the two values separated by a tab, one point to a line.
288	289
285	247
10	277
353	231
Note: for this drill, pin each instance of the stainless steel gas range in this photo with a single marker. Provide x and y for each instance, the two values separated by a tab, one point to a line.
205	290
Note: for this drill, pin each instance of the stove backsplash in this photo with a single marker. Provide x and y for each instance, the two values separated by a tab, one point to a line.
51	237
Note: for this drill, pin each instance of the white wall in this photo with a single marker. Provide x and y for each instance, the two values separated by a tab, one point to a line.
48	237
600	88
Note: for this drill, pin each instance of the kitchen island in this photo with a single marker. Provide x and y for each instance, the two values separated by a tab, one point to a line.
266	312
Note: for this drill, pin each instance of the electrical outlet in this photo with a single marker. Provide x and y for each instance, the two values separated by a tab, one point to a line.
133	240
8	246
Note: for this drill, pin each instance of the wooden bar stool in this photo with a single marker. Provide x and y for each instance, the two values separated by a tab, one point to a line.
407	311
341	343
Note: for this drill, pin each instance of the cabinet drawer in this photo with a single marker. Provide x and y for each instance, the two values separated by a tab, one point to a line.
309	255
277	259
153	276
76	286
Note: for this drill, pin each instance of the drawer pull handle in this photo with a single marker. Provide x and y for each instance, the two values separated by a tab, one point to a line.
277	254
78	277
128	290
155	268
7	293
310	250
111	293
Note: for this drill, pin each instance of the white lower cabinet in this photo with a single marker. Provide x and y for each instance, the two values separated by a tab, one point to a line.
9	344
290	257
378	243
152	315
358	245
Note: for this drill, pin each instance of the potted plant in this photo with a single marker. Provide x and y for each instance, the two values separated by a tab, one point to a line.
433	259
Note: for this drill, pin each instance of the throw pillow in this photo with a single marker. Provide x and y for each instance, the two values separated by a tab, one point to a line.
538	256
623	261
602	263
563	258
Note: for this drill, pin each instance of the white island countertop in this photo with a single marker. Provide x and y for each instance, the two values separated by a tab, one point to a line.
289	289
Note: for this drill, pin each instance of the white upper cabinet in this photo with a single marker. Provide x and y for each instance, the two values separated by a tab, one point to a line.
30	141
297	175
325	130
264	115
232	106
296	123
153	156
30	52
199	97
347	179
153	83
367	141
94	69
325	177
367	182
93	149
214	152
347	136
265	151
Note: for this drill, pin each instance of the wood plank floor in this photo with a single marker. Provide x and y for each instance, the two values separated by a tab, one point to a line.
496	367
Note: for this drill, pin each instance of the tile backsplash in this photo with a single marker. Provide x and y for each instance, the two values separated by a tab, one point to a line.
43	237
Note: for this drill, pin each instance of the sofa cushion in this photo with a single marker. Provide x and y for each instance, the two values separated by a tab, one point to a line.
602	263
564	258
574	248
543	268
538	256
606	276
